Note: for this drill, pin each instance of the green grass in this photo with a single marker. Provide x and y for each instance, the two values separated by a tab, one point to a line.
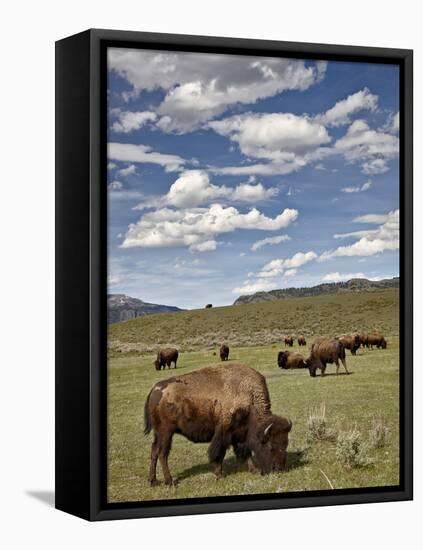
259	324
370	392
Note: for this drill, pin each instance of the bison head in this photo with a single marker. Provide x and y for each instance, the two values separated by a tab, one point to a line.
269	443
157	364
383	343
283	359
312	364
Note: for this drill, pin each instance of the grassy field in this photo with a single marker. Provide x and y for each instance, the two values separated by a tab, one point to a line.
371	391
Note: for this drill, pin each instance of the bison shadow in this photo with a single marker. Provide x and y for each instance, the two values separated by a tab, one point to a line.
295	459
334	374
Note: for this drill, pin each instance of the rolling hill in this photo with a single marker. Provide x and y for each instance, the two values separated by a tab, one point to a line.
353	285
121	308
260	323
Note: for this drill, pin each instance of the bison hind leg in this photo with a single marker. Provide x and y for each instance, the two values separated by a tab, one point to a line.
153	464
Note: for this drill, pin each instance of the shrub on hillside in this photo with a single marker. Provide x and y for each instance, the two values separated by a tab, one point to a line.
378	433
317	425
351	449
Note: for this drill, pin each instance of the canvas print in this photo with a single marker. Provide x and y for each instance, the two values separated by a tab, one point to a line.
253	275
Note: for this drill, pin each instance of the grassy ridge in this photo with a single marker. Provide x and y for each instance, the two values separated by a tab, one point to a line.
370	391
261	323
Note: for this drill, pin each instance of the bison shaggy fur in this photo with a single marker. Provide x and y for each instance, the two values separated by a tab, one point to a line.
224	352
222	405
324	351
291	360
166	357
364	340
350	342
377	340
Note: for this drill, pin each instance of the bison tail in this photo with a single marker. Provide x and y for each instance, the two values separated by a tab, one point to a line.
147	417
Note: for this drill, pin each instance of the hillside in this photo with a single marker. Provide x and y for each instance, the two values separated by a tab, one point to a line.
353	285
260	323
121	308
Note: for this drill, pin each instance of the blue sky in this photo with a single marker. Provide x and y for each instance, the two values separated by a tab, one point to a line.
229	175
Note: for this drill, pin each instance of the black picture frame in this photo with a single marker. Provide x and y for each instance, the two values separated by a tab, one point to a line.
81	266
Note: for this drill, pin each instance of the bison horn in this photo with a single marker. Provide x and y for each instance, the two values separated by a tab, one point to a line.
267	430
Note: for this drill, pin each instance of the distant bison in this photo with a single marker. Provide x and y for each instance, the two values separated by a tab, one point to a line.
289	341
166	357
350	342
377	340
222	405
224	352
291	360
302	341
324	351
364	340
209	306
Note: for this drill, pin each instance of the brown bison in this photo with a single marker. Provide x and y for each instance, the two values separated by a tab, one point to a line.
364	340
289	341
377	340
222	405
324	351
224	352
350	342
291	360
166	357
302	341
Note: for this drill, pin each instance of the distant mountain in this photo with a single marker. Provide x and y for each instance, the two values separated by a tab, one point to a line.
122	307
353	285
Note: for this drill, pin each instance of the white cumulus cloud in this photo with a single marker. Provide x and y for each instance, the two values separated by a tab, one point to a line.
358	188
339	114
128	171
128	152
273	136
371	148
336	277
273	272
193	188
269	241
199	87
128	121
276	268
196	228
385	237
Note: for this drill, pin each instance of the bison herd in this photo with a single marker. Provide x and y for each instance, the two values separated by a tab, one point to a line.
229	405
327	350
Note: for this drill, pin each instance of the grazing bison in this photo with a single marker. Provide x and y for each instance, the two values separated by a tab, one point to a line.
289	341
302	341
350	342
222	405
224	352
166	357
324	351
291	360
364	340
377	340
208	306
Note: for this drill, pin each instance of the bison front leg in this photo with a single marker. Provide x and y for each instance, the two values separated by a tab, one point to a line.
217	451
